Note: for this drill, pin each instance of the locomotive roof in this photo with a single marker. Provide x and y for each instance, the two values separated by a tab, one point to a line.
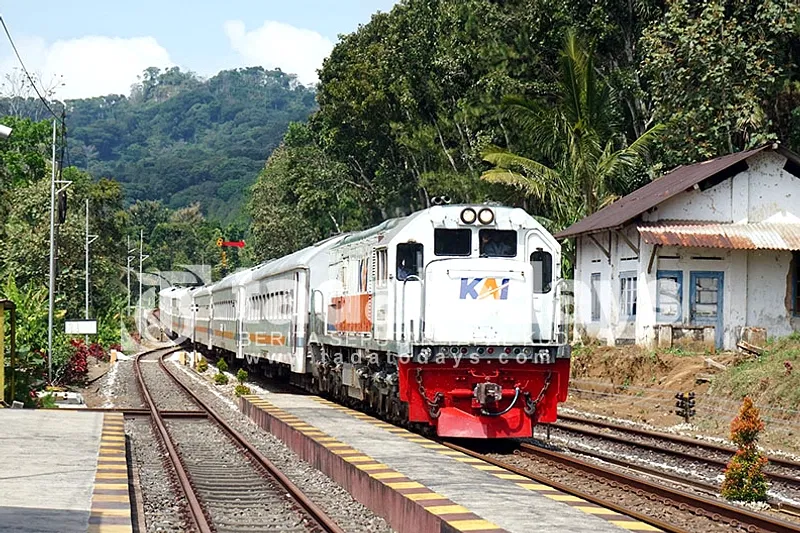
391	227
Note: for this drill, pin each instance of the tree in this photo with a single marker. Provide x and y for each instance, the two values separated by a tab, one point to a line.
722	73
580	161
744	476
302	196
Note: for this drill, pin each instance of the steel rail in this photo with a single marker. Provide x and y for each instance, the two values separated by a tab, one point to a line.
775	476
195	509
676	478
714	508
569	490
787	463
315	512
136	411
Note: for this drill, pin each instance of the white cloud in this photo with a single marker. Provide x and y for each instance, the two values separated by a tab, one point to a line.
88	66
278	45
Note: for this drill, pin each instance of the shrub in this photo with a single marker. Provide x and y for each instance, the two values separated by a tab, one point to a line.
202	365
222	366
241	376
220	379
48	401
744	476
242	389
97	351
76	368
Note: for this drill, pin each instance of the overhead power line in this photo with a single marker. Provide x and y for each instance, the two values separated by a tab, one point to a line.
25	70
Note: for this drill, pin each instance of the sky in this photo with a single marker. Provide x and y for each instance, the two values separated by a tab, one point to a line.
85	48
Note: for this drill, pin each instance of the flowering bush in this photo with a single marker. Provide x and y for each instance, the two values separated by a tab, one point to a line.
744	475
97	351
76	368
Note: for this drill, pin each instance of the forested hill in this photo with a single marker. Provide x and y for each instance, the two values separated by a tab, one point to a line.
180	139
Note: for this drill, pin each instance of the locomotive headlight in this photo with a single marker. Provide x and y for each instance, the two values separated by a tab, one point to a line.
486	216
468	216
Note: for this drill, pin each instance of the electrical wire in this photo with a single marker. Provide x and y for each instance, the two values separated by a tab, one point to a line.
25	70
62	118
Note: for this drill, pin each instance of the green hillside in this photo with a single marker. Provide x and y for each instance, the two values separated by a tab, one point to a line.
180	139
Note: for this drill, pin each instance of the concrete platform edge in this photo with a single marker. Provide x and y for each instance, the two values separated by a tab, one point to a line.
405	504
111	505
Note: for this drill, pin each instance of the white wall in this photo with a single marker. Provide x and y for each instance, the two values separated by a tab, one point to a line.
769	291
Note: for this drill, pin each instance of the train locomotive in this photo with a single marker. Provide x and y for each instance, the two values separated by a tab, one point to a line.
448	318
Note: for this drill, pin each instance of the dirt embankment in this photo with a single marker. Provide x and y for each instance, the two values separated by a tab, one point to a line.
637	384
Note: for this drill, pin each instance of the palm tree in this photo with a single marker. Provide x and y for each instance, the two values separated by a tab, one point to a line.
584	161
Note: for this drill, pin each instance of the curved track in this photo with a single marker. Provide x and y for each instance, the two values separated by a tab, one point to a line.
228	484
694	506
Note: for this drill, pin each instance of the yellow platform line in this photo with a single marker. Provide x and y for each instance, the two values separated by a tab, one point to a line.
391	478
111	474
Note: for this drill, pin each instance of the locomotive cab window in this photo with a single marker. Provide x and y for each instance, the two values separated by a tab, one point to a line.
498	243
456	242
409	260
542	263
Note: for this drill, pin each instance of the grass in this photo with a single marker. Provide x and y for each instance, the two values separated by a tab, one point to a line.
766	378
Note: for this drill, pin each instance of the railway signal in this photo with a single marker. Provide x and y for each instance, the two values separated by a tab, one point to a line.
223	256
685	405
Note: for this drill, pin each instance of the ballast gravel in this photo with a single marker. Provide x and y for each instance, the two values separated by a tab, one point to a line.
164	512
335	501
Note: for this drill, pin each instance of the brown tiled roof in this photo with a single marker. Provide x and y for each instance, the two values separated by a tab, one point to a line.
659	190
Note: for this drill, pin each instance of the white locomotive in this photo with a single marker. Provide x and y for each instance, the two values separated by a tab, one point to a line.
448	317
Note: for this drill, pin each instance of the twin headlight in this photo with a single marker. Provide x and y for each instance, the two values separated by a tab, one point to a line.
484	216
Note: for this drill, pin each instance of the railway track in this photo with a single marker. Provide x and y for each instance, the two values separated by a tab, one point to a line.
228	484
779	470
652	502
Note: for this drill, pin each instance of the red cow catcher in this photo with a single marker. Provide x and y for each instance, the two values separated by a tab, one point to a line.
487	399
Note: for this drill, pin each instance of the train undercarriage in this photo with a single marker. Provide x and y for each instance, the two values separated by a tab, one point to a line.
499	397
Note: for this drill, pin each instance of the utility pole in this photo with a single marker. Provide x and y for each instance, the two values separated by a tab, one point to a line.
89	240
142	257
130	258
52	281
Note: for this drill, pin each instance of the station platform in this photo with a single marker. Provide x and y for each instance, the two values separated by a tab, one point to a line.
416	484
63	471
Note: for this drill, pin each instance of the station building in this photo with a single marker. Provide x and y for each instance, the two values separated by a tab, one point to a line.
707	253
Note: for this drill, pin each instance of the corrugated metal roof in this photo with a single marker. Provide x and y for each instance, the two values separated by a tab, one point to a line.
757	236
657	191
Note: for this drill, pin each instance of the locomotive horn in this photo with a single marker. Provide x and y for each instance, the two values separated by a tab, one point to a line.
436	200
446	199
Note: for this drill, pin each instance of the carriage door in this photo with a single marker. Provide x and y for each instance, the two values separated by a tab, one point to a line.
380	289
706	301
541	259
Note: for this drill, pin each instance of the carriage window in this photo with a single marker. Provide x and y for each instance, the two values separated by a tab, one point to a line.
409	260
542	263
452	242
381	267
498	243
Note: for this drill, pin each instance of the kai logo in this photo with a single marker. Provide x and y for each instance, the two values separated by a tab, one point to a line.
483	288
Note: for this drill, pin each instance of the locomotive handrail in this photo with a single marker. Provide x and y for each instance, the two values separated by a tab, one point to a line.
556	307
313	321
403	306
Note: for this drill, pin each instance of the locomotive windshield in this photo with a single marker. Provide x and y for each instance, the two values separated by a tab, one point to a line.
498	243
452	242
409	260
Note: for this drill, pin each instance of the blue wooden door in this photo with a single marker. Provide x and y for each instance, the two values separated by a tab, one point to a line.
705	304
